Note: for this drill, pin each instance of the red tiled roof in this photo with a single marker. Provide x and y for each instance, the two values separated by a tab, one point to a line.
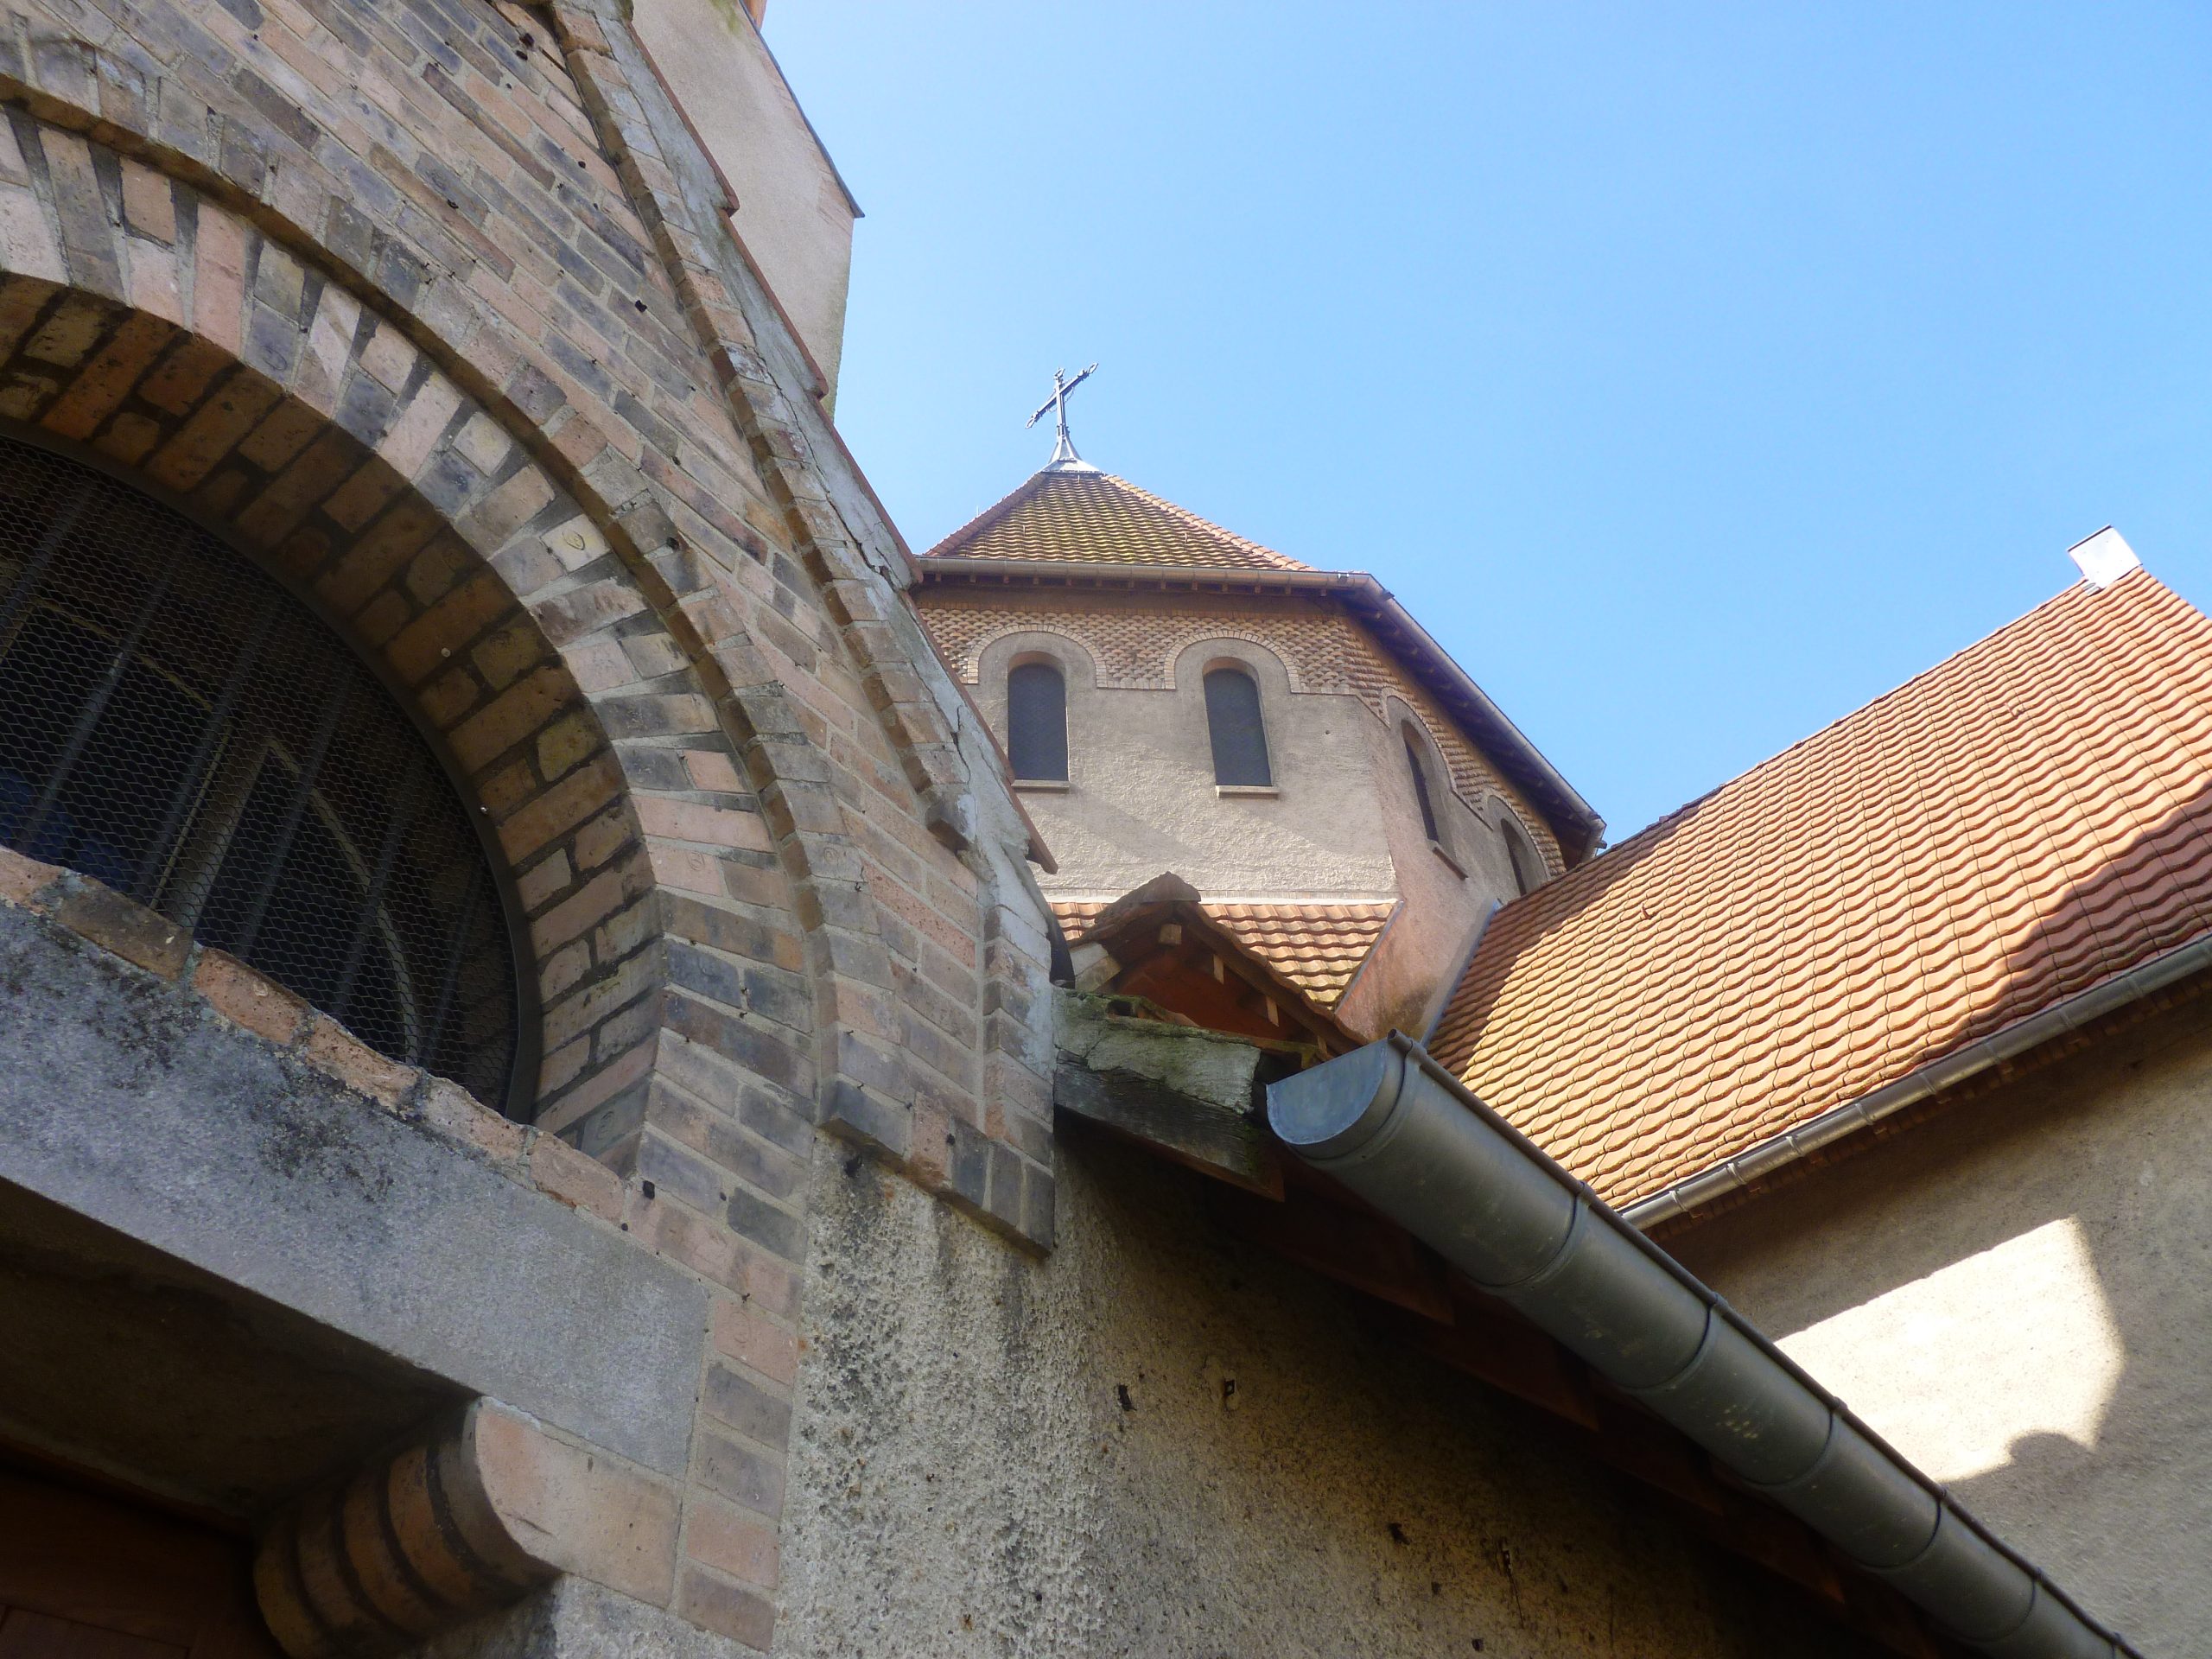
1093	517
1316	948
2010	829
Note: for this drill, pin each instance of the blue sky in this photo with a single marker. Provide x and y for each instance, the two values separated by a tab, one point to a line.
1695	373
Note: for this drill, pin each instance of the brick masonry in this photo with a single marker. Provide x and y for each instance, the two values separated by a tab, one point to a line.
421	304
1134	638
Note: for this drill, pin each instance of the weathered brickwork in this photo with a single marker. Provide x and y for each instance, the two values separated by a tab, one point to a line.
1134	640
428	306
960	1100
376	489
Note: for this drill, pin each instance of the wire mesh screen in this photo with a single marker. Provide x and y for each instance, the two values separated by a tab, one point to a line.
174	724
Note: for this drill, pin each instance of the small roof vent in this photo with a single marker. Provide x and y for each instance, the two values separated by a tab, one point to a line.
2104	558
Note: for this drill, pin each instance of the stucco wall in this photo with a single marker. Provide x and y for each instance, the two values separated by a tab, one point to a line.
966	1478
1343	825
1449	886
1134	642
1141	795
2018	1293
791	210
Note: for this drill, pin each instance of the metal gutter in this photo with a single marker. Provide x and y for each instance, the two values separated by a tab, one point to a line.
1355	588
1404	1135
1776	1152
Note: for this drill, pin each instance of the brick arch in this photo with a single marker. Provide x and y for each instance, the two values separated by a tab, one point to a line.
1210	631
615	420
502	226
1185	667
1080	656
262	398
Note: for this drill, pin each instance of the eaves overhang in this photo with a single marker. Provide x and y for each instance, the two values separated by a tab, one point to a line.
1409	1139
1744	1171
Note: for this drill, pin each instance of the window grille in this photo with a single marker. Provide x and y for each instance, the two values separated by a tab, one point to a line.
1421	786
177	726
1037	722
1240	738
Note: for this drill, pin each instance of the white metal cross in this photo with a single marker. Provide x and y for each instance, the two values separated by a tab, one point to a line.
1057	407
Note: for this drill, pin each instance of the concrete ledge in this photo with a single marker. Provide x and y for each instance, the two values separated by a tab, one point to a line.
129	1100
1185	1093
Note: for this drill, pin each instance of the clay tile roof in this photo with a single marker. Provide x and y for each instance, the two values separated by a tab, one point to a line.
2010	829
1093	517
1316	948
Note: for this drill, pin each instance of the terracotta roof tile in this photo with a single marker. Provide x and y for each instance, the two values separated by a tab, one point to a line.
2010	829
1093	517
1318	948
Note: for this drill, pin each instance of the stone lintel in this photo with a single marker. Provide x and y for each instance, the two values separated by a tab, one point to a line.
126	1100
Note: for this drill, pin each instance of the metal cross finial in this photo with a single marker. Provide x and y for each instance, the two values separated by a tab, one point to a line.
1065	458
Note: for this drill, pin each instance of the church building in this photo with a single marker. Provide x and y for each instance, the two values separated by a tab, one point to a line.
1339	806
596	1059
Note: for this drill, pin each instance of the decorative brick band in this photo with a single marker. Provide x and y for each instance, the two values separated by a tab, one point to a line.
1134	641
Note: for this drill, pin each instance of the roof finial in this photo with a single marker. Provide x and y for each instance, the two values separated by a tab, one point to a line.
1064	459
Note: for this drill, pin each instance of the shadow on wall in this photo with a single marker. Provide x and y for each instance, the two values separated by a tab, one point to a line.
2018	1290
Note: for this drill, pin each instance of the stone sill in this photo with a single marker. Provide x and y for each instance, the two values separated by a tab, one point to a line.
1261	792
1042	786
1450	862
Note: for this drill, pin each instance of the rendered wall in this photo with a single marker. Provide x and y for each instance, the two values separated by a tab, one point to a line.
967	1479
792	211
2016	1292
1344	824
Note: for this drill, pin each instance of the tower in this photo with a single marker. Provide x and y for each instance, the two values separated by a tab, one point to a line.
1275	803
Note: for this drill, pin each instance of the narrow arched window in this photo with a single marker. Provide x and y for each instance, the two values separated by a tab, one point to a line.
1420	786
179	728
1240	738
1528	871
1037	722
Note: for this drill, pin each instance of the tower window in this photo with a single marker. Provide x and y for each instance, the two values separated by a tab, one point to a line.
1037	722
185	731
1421	786
1240	738
1528	871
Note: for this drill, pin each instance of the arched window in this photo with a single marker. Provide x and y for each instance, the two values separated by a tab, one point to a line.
181	728
1528	871
1420	785
1037	722
1240	738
